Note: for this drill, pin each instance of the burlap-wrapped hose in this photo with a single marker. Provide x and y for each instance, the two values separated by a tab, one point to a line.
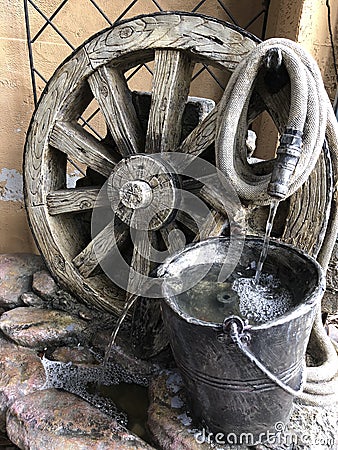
304	124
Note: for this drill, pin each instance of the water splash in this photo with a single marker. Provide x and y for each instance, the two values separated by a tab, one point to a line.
269	224
260	303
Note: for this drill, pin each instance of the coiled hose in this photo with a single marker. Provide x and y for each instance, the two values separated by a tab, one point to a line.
304	122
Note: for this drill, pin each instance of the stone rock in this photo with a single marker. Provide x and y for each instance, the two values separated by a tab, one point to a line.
76	355
53	419
43	284
40	328
16	272
46	288
21	372
31	299
168	419
309	428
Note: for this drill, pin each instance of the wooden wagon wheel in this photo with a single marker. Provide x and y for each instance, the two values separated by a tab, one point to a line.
59	215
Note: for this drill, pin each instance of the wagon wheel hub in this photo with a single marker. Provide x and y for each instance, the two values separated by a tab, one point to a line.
136	194
143	192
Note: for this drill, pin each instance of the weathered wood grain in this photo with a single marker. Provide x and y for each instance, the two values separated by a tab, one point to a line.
173	237
205	38
213	226
97	66
110	89
58	250
142	192
307	219
73	200
72	139
44	168
188	221
202	136
141	260
100	246
171	81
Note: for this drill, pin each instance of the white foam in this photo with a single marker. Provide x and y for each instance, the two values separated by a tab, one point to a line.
260	303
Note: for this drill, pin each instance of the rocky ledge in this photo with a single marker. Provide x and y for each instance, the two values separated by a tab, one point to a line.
50	348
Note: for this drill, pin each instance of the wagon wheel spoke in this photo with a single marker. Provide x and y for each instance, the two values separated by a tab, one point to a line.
102	244
233	213
140	263
185	219
212	227
111	91
72	139
171	81
202	136
173	237
73	200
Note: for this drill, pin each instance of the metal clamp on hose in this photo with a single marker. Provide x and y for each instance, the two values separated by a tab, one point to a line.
288	154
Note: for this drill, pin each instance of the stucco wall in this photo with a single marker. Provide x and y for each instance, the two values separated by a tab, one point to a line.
78	21
305	22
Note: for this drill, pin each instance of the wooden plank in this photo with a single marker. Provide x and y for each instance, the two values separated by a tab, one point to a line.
45	168
140	263
307	218
147	332
171	81
213	226
110	89
173	237
205	38
102	244
230	209
187	221
202	136
72	139
72	200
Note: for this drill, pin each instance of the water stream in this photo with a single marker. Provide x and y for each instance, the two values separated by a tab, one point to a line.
269	224
129	303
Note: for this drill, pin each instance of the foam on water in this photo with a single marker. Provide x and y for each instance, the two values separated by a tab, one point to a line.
77	378
213	301
260	303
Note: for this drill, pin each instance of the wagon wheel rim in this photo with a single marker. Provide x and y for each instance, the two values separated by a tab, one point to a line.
96	70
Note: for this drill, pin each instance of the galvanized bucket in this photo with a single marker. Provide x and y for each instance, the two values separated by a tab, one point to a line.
242	378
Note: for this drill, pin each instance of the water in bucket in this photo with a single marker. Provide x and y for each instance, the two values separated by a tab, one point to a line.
212	301
228	391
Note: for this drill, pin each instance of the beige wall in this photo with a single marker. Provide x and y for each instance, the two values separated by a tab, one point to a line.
287	18
307	23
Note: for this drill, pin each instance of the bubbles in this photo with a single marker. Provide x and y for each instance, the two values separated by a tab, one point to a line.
260	303
212	301
76	379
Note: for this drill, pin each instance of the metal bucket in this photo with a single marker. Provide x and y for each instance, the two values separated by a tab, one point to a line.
248	385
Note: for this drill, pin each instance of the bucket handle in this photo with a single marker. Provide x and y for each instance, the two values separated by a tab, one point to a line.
234	325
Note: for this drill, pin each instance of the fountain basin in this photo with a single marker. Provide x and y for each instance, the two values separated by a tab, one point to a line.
226	391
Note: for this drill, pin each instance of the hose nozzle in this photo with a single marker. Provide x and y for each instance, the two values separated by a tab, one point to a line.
288	153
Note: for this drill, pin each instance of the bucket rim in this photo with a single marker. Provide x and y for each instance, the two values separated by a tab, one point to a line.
304	307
